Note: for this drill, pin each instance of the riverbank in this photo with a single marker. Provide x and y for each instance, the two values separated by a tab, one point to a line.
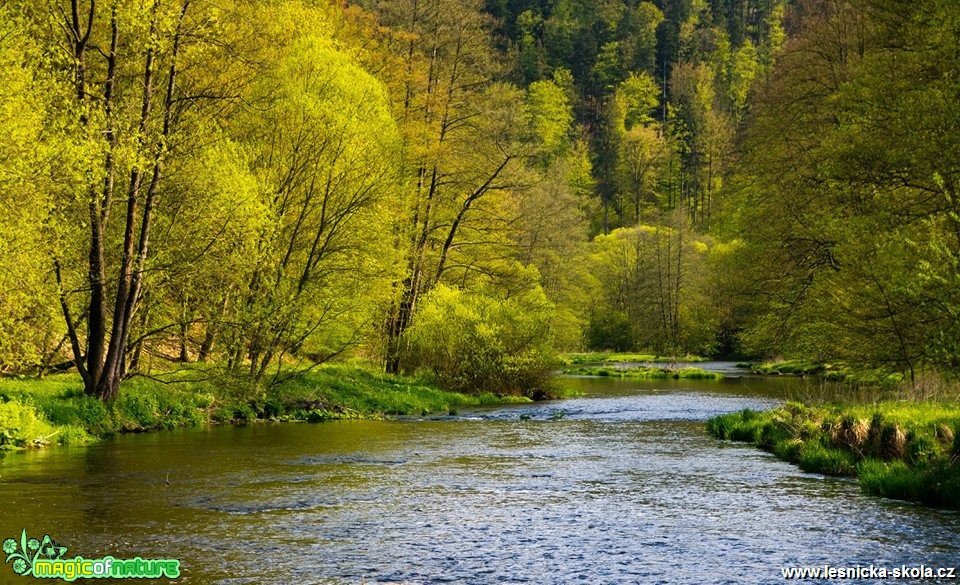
54	410
831	372
644	372
599	357
907	450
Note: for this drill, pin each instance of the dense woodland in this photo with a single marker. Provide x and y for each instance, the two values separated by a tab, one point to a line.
467	188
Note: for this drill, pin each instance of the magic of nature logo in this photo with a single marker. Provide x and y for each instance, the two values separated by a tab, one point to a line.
45	559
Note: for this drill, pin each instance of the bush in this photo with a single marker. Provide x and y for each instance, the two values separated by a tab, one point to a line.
23	426
477	343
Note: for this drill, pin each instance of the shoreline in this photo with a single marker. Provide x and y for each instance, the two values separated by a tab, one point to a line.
903	450
38	413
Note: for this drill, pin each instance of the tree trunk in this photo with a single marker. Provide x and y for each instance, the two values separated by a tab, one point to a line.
103	365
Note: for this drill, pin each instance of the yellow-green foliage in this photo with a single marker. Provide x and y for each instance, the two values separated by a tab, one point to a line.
326	153
22	426
477	343
644	372
549	114
606	357
837	372
27	299
655	290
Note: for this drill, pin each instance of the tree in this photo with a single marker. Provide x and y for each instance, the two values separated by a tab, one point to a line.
642	155
549	115
326	154
849	196
202	266
475	342
638	29
31	151
467	143
551	236
653	281
124	61
642	147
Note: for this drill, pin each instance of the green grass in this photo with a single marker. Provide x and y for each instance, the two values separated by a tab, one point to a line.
897	449
23	426
787	367
834	372
937	484
573	359
54	410
643	373
360	391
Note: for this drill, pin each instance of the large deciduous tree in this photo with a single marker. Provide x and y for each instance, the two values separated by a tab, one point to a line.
124	59
326	152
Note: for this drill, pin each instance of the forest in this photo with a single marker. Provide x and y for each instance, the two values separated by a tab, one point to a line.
469	188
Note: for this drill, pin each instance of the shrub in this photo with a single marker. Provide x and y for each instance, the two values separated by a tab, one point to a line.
478	343
22	425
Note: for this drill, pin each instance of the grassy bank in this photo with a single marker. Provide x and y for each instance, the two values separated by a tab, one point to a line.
54	410
902	450
833	372
644	373
574	359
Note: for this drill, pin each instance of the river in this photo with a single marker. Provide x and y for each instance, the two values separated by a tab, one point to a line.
621	485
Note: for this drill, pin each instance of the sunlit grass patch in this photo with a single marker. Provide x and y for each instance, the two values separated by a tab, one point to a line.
359	390
22	426
836	372
36	412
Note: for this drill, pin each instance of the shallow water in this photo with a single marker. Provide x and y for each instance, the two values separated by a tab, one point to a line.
621	485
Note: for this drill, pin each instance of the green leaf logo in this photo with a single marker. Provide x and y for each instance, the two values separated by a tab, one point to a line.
26	552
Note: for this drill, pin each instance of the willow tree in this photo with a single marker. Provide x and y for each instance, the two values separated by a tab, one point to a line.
206	233
467	144
325	151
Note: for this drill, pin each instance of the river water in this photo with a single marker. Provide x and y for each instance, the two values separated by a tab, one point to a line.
621	485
